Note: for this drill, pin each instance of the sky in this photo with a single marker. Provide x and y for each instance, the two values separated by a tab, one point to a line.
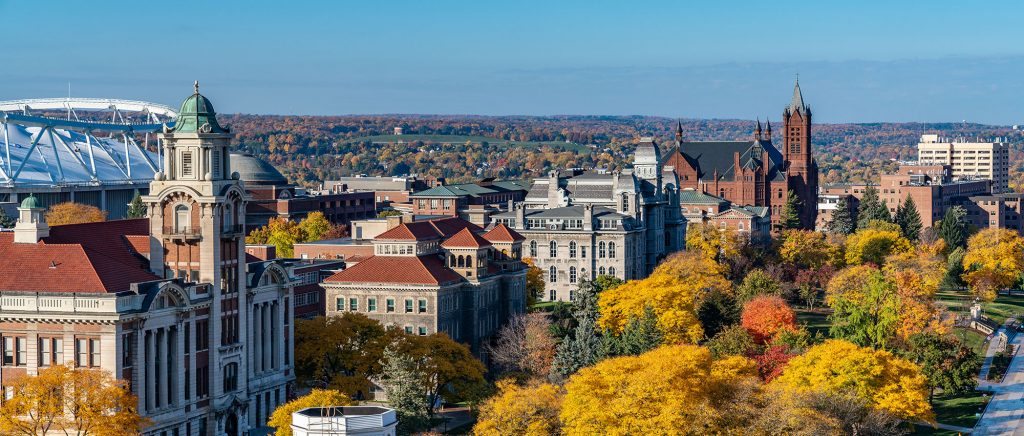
857	61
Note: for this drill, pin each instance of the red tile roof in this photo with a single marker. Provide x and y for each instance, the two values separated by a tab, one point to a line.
501	233
418	270
94	257
427	230
465	238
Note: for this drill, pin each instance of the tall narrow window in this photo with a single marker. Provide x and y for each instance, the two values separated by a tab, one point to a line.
216	164
625	203
611	271
533	249
552	274
181	218
611	250
572	249
572	274
186	164
601	250
553	249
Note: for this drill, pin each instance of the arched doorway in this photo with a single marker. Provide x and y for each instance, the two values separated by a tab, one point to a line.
231	424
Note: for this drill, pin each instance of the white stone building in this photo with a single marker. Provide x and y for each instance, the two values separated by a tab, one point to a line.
969	160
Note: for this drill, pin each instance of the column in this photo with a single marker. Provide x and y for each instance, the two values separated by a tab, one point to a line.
150	360
172	359
257	353
275	331
267	361
161	367
139	368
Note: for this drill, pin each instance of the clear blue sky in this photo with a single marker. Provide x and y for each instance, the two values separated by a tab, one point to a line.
859	61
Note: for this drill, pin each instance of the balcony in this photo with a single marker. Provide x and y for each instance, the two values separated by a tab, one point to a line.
183	233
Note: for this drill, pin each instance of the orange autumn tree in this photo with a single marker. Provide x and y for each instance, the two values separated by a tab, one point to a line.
74	213
766	316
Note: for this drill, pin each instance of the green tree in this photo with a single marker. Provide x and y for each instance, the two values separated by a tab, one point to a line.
402	381
583	346
314	227
136	209
6	222
953	228
640	336
909	219
340	352
954	268
447	369
864	311
791	212
871	208
717	311
733	341
757	282
946	362
387	213
843	218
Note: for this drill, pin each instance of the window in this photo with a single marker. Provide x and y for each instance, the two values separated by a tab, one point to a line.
181	218
601	271
611	250
51	351
216	164
552	295
553	249
15	351
87	352
611	271
202	335
353	304
186	163
533	248
339	304
230	377
390	305
552	274
408	329
583	251
371	304
572	274
423	331
625	203
408	305
423	306
601	250
572	249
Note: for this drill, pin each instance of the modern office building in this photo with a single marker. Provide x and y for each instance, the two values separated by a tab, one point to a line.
969	160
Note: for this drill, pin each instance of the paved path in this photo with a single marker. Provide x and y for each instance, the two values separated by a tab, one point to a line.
995	345
1005	413
455	417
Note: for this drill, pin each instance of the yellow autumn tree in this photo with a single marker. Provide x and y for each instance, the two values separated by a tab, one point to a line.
73	400
314	227
873	244
673	292
74	213
713	243
279	232
808	249
994	261
888	382
281	419
674	389
917	276
531	410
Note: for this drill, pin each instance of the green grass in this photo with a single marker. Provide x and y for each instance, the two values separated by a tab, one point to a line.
816	320
973	340
461	139
1003	307
959	410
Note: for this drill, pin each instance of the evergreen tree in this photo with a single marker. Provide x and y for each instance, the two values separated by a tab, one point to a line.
791	212
136	209
843	219
871	208
404	388
6	222
953	228
639	336
909	219
583	347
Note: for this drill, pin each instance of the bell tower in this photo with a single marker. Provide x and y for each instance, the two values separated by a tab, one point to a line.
801	169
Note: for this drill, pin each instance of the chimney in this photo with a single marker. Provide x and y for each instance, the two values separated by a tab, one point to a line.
553	198
588	217
262	252
520	217
31	226
393	221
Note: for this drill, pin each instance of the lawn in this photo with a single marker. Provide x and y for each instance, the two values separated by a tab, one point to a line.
461	139
1003	307
816	320
959	410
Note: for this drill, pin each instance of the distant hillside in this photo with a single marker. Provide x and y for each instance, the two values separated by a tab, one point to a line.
309	149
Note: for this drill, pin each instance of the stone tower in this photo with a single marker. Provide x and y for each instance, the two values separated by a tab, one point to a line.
801	168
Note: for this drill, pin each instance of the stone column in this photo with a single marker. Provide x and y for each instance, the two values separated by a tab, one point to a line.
275	335
267	360
150	360
257	328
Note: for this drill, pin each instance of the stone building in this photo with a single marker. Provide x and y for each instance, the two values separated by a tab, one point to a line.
750	222
167	303
585	224
755	172
439	275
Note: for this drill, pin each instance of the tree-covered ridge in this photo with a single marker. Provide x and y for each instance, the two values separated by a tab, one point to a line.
309	149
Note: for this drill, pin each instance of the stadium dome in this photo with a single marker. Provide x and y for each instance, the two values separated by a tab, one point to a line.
255	171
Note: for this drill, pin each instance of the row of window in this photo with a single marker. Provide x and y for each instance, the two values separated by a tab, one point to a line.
553	273
50	351
421	330
603	250
371	305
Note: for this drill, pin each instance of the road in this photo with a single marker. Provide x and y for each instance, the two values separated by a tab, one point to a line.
1005	413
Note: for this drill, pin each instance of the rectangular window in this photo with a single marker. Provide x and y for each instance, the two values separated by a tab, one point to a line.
423	331
423	306
94	353
186	163
202	335
390	305
371	304
339	304
82	352
45	351
408	305
353	304
408	329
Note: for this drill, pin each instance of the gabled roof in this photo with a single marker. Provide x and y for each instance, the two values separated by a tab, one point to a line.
708	156
692	196
465	239
501	233
429	229
415	270
93	258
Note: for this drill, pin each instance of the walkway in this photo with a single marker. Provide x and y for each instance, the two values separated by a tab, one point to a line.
1005	413
454	417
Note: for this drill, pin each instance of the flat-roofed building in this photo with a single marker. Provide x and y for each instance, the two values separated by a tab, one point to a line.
969	160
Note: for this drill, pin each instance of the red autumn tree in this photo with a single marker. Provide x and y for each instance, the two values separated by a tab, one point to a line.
771	363
765	316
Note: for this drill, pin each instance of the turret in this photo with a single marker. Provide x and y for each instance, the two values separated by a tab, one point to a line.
31	226
757	130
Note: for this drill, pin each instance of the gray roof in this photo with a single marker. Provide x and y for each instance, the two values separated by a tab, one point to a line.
590	186
708	156
372	183
568	212
691	196
647	152
256	171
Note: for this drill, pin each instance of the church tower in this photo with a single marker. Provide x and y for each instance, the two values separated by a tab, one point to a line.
801	168
196	215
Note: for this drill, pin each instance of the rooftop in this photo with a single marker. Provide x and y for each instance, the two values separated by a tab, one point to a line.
413	270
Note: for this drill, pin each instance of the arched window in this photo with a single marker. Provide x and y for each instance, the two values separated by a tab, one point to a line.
739	226
572	274
533	248
611	250
601	250
182	218
552	295
552	274
553	249
462	262
600	271
611	271
583	273
625	203
572	249
451	260
229	217
469	261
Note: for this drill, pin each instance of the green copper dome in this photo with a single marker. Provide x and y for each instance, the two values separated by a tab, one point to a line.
31	203
197	112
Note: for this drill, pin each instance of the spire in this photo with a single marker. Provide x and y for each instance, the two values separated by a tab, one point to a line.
797	103
196	87
679	130
769	130
757	130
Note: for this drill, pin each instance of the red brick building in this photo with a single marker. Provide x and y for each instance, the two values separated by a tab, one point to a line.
755	172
